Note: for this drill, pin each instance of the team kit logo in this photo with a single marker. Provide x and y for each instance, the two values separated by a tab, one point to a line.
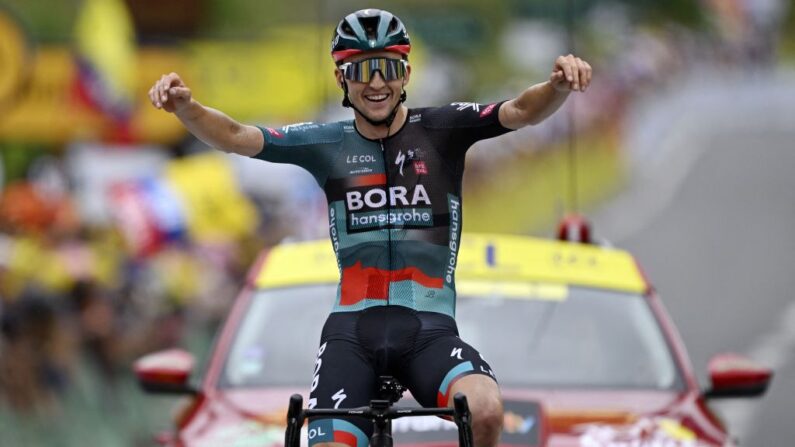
379	205
475	107
414	158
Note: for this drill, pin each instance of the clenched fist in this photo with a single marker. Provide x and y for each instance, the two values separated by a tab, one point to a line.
170	93
570	73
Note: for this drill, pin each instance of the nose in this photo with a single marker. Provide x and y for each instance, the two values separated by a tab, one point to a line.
377	80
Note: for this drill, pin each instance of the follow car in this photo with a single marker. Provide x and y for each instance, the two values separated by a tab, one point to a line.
583	349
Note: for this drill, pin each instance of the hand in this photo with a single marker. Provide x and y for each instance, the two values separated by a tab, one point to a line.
570	73
170	93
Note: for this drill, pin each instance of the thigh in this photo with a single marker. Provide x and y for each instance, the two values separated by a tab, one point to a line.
438	364
342	378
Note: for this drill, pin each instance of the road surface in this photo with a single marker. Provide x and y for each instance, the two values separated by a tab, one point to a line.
710	214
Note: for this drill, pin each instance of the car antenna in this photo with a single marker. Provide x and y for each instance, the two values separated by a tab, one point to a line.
573	207
573	227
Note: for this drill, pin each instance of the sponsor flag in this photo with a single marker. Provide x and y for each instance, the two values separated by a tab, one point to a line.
106	59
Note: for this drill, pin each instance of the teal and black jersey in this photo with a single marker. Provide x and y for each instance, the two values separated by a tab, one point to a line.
394	204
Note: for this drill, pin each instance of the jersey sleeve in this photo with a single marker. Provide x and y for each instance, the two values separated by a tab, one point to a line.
310	146
465	123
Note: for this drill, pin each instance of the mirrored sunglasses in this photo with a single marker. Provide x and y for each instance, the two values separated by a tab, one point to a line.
364	70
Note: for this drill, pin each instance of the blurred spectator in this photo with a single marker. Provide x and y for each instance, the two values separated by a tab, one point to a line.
36	353
96	326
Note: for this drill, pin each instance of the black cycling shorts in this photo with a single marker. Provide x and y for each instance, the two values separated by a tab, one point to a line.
422	350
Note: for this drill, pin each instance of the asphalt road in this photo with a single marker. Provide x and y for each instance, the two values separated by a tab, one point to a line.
710	214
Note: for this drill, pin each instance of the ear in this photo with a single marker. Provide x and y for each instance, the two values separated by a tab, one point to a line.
338	76
408	74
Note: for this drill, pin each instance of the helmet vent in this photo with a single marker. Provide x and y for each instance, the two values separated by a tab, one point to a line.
393	26
346	30
370	25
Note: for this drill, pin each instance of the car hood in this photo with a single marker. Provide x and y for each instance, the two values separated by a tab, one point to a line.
622	418
554	418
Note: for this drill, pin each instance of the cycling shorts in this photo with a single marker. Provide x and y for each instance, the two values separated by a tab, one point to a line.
422	350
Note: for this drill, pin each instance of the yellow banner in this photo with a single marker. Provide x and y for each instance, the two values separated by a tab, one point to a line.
14	60
215	208
49	111
283	79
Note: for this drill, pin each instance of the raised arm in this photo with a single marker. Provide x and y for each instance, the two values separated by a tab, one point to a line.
535	104
209	125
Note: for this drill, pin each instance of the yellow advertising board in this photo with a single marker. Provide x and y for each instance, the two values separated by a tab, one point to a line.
283	79
215	208
14	60
277	80
48	111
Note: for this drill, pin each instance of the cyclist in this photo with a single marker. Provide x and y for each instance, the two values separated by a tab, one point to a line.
392	178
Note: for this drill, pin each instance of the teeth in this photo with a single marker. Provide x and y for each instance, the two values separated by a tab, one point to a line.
376	97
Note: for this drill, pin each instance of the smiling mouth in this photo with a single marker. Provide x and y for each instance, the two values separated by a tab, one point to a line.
377	98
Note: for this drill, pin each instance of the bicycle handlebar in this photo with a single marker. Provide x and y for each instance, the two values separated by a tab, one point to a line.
390	413
379	411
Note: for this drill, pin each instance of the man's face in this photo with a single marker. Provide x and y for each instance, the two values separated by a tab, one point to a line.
377	98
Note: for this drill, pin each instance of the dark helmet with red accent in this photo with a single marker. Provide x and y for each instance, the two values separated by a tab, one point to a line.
369	30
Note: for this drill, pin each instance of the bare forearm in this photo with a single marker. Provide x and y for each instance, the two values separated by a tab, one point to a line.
218	130
532	106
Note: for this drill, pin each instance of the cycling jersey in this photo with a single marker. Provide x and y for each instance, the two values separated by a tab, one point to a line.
394	203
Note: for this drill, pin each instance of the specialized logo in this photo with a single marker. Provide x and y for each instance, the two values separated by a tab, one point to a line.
399	161
338	397
457	353
461	106
414	155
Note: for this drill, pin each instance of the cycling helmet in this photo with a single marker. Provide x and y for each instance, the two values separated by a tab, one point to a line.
369	30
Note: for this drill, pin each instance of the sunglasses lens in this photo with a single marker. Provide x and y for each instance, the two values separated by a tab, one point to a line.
364	71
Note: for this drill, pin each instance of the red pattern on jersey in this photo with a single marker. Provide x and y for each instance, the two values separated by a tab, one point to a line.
359	283
369	180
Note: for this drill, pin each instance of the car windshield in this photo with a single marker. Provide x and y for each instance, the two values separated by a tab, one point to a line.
552	336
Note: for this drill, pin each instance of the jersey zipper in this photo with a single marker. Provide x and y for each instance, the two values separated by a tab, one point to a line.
388	229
